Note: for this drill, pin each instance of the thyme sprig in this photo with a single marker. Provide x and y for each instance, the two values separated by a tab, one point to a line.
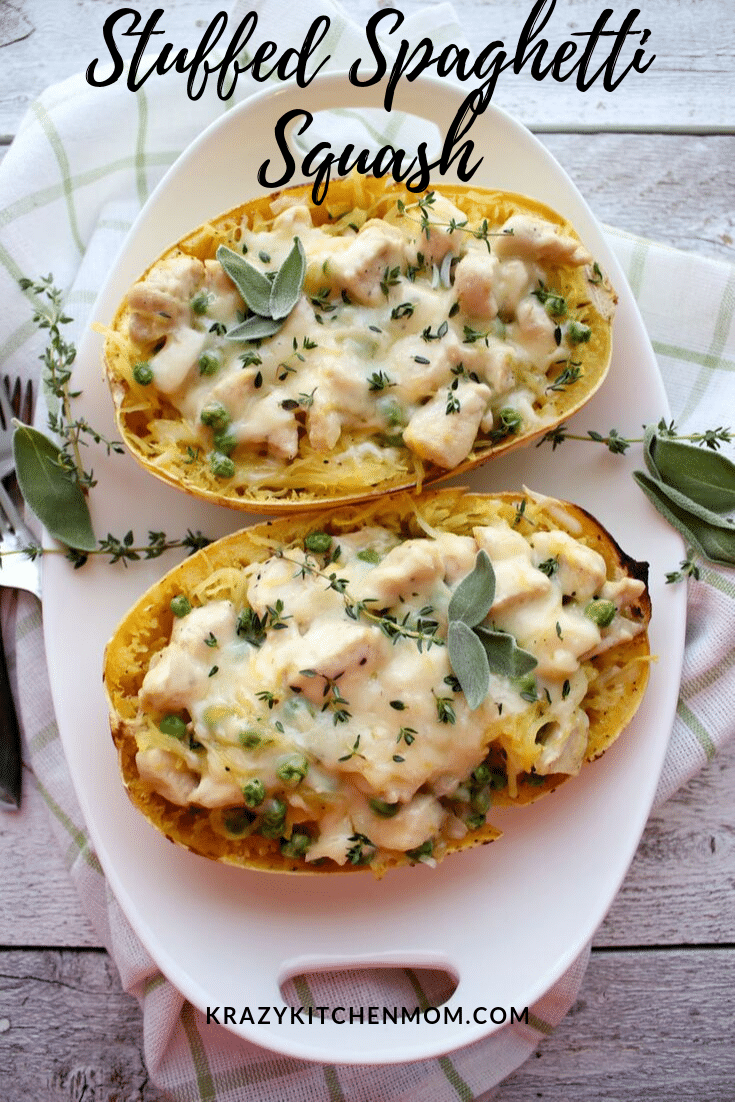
482	232
619	444
423	630
58	359
51	475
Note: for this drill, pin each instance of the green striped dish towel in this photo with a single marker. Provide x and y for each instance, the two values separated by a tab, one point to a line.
82	164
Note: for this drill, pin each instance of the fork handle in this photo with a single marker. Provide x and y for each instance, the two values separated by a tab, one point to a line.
10	754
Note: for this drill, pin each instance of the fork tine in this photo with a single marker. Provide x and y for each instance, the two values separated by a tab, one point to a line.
6	413
10	515
26	412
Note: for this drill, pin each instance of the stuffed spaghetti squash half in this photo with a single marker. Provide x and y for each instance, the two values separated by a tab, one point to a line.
288	355
359	688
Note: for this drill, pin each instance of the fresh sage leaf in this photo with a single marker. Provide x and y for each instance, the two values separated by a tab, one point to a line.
473	597
55	498
715	542
469	662
286	287
690	505
504	656
705	476
254	287
254	328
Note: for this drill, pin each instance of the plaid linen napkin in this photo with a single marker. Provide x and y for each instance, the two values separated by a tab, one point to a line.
82	164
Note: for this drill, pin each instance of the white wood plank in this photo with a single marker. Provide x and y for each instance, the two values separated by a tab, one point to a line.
40	905
646	1026
688	87
68	1032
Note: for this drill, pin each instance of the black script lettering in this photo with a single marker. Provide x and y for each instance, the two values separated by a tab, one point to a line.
108	33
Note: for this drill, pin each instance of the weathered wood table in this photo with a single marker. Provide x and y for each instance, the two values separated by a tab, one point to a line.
656	1016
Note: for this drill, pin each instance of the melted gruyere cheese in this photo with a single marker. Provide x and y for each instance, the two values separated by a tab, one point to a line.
317	699
414	331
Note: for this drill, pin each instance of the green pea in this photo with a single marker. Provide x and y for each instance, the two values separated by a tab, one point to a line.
180	605
249	739
296	846
318	542
293	770
481	775
200	302
369	555
577	333
385	810
143	373
215	416
601	613
475	820
209	362
424	850
238	821
273	818
480	801
221	466
510	420
253	792
173	725
225	442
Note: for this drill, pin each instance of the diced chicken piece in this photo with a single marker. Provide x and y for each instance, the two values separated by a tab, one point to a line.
331	654
417	380
292	215
323	422
564	745
557	636
490	359
458	554
535	330
166	773
502	542
359	268
226	299
304	598
412	824
194	631
440	239
447	438
474	283
216	788
516	580
179	674
178	358
267	422
514	280
429	305
581	571
160	302
174	679
336	830
535	239
624	592
234	391
620	630
411	567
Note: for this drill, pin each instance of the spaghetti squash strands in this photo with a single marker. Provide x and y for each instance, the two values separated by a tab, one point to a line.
291	356
291	698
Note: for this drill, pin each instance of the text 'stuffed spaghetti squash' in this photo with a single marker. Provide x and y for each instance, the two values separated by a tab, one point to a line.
359	688
287	355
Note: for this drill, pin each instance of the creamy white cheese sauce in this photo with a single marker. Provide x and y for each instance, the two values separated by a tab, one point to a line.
301	703
420	335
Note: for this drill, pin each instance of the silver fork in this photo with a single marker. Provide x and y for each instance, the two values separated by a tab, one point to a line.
17	571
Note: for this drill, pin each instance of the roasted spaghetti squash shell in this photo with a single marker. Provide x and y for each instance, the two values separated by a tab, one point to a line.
315	480
146	629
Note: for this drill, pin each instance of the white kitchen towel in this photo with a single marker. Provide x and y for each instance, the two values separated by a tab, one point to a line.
83	162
